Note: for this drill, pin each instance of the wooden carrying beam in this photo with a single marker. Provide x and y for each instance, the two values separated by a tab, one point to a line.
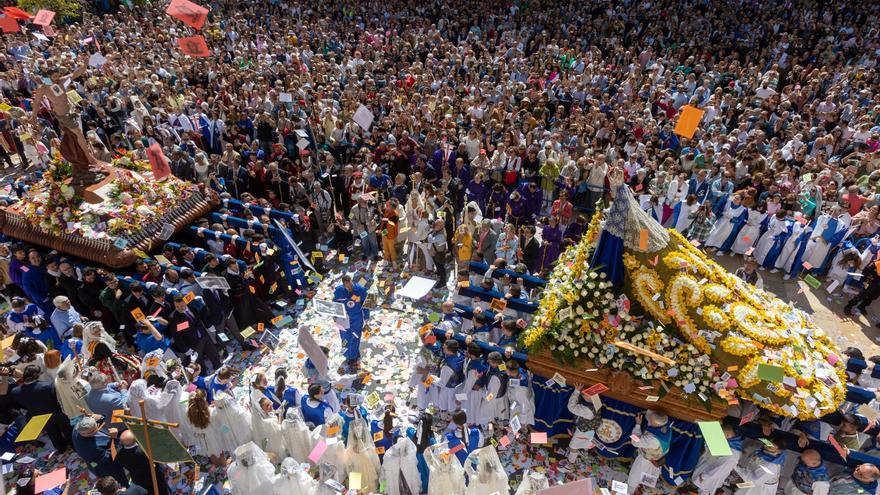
624	388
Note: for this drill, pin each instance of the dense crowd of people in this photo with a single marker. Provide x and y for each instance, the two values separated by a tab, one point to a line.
428	136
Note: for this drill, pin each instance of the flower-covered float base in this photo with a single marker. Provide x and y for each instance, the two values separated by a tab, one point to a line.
683	335
124	223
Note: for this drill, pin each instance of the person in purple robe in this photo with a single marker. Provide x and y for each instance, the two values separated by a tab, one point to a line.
533	197
495	205
477	192
575	230
551	239
517	209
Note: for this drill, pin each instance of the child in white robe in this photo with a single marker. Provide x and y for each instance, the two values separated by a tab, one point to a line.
207	439
361	456
175	412
775	227
297	437
400	469
520	395
451	376
267	429
485	473
474	368
711	471
447	474
734	213
331	434
748	235
251	471
426	393
494	404
233	423
532	483
292	480
760	470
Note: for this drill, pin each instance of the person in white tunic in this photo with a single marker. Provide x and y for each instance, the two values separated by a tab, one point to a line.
652	446
207	437
138	391
174	411
361	456
586	421
760	470
451	376
250	472
494	405
748	235
776	226
799	234
520	395
331	434
297	436
474	367
267	428
532	483
71	390
831	227
447	473
681	213
400	469
232	423
733	213
425	366
711	471
485	473
293	479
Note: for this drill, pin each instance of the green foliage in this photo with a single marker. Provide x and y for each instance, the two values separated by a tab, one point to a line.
65	10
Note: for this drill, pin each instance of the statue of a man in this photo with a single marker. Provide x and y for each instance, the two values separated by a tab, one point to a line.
74	148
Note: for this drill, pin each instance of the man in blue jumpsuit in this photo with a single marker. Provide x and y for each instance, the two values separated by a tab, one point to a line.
352	296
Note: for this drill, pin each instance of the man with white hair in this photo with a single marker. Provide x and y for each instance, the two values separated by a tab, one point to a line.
103	397
64	317
93	445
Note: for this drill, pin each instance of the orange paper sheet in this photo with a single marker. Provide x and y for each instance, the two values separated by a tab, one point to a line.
688	121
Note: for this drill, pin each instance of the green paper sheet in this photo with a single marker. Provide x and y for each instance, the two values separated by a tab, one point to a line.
716	442
812	281
770	373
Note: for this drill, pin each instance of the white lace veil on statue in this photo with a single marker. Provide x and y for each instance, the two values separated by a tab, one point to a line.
251	471
625	219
